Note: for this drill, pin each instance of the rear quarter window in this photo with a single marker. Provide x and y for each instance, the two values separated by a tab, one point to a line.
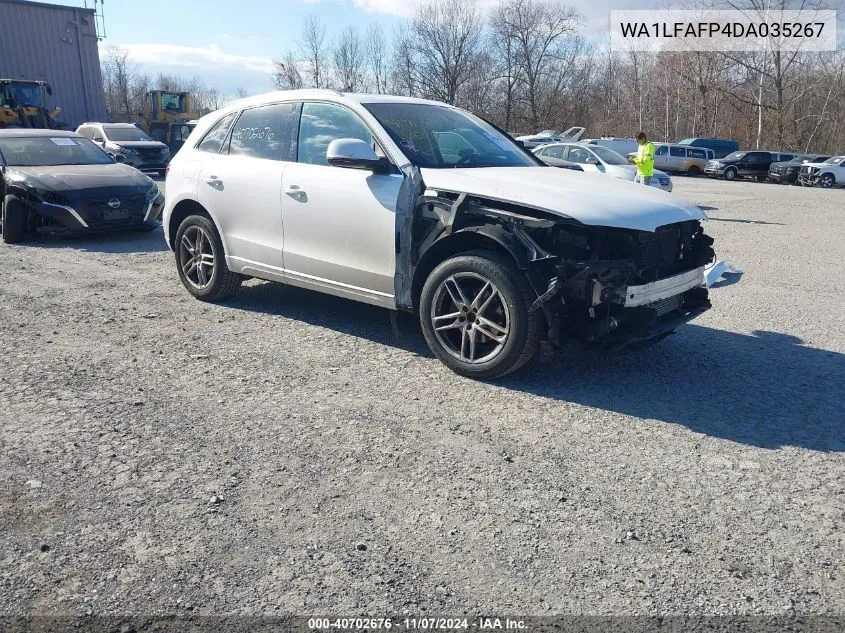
216	136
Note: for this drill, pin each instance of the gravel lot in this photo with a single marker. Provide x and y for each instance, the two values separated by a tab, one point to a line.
285	453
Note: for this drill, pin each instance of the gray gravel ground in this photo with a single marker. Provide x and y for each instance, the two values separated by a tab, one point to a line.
283	452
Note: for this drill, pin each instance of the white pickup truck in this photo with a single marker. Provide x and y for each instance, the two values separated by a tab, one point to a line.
827	174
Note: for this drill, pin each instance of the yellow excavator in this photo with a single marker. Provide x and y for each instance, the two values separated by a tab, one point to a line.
168	118
23	103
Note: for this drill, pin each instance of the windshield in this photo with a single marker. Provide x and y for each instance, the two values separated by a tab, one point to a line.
44	151
547	133
734	156
609	156
438	137
125	134
16	95
835	160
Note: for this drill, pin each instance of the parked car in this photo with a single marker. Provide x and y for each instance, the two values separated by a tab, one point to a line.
550	136
55	181
375	198
825	174
141	151
787	171
740	165
720	146
684	159
595	158
622	146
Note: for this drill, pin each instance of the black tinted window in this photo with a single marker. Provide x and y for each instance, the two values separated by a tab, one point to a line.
216	136
696	153
322	123
677	151
261	132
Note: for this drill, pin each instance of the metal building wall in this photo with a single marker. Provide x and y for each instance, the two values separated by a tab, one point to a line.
56	44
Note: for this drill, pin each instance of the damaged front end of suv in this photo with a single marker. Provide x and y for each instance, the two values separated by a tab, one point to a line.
600	285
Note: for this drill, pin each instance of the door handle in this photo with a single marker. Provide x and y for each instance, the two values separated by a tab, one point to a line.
295	192
214	182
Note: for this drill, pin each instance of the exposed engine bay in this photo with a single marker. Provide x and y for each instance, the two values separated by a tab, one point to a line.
595	284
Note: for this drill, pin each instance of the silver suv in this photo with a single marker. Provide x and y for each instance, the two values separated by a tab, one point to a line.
139	150
420	206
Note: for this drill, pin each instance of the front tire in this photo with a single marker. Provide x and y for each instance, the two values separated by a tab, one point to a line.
475	318
730	173
15	216
201	262
826	181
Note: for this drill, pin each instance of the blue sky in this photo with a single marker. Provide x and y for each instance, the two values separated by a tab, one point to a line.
231	45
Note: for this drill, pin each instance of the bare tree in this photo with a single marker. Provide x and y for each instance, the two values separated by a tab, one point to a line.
349	62
403	68
539	32
125	86
446	39
376	52
314	50
287	75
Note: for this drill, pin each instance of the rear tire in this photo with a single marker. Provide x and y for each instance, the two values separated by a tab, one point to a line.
475	318
694	171
15	216
201	261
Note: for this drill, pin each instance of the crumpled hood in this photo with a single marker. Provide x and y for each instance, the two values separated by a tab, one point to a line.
592	199
69	178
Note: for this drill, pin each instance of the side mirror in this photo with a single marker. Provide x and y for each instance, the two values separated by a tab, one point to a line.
354	153
119	158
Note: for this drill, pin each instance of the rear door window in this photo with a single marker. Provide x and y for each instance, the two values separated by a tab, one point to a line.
678	152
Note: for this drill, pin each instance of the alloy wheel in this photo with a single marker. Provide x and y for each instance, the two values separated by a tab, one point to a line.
470	317
196	257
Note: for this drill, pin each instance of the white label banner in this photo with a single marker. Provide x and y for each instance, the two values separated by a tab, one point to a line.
729	30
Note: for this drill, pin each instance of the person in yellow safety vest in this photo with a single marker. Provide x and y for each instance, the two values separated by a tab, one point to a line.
644	160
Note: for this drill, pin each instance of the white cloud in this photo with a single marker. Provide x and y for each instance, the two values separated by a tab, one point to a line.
174	55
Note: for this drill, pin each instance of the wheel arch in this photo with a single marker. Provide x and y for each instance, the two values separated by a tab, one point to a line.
486	237
182	210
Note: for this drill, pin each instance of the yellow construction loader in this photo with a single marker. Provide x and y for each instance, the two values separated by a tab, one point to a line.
168	118
23	103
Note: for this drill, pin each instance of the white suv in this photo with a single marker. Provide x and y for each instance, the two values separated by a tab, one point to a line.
420	206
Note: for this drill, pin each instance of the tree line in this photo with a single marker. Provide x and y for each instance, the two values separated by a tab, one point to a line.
126	86
525	66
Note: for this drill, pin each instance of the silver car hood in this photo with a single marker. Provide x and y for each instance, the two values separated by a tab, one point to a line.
592	199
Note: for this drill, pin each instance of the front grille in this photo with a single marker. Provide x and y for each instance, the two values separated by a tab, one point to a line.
669	250
150	155
96	210
664	306
663	180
